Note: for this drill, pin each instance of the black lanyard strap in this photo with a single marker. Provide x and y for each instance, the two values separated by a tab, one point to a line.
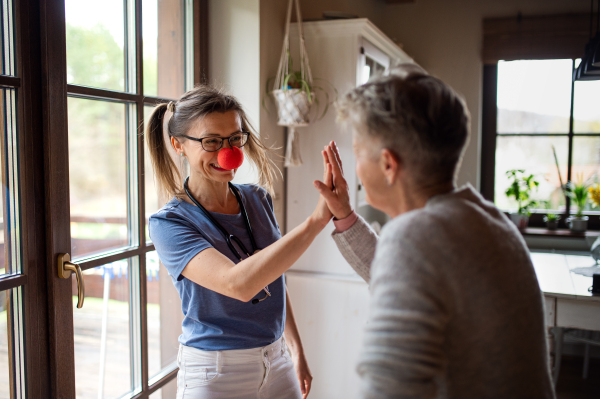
228	237
245	217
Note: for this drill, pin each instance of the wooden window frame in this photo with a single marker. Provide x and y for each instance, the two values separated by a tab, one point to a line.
42	90
561	36
489	134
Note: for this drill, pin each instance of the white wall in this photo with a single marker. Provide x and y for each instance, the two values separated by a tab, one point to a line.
245	38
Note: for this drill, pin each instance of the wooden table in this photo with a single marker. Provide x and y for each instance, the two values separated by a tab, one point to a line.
568	303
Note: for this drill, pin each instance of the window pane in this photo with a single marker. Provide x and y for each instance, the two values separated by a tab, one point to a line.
4	340
102	331
10	240
7	59
586	163
11	350
164	48
534	155
586	110
96	43
534	96
164	327
168	391
98	176
151	189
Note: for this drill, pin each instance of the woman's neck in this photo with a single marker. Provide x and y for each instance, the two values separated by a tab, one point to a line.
212	195
409	197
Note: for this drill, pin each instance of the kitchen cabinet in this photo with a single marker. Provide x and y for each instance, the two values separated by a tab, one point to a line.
330	300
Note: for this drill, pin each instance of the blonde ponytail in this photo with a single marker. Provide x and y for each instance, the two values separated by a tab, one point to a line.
167	174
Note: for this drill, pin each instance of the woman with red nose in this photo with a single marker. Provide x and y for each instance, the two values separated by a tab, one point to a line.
222	247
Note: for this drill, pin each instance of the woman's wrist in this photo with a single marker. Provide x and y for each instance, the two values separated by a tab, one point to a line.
316	222
344	224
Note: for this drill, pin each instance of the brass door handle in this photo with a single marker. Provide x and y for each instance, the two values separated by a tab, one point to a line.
65	268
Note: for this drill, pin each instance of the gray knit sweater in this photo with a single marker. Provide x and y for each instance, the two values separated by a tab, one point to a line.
456	310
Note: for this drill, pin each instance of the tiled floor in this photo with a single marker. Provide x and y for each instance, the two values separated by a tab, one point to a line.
571	385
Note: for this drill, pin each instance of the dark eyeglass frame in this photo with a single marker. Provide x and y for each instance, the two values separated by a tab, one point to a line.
243	133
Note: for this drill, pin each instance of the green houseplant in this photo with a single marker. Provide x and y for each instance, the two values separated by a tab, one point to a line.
521	187
579	194
551	219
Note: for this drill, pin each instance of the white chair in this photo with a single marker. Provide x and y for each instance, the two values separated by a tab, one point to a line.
573	335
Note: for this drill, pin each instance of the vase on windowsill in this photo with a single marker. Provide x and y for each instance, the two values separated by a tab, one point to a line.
577	224
521	220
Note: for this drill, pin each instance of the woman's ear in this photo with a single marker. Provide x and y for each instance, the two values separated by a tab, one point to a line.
177	145
390	165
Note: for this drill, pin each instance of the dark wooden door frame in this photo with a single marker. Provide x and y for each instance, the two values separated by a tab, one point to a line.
31	176
56	174
40	39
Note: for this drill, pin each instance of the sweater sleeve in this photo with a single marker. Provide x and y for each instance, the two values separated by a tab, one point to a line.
403	354
357	245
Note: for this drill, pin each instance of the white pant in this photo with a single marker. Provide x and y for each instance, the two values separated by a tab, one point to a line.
259	373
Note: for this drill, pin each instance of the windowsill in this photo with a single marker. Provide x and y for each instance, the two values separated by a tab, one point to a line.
559	240
542	232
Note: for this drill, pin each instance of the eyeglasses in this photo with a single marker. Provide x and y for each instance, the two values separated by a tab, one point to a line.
212	144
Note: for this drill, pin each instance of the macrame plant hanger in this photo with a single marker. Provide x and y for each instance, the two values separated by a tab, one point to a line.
293	104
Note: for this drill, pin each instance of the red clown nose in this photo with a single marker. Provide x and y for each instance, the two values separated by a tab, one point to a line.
230	158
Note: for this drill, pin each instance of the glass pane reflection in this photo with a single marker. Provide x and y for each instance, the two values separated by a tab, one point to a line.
97	176
102	332
586	111
168	391
586	163
534	155
10	353
96	43
164	48
534	96
4	341
10	239
7	58
151	189
164	328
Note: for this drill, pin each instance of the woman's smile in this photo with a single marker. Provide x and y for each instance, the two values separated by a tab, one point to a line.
217	167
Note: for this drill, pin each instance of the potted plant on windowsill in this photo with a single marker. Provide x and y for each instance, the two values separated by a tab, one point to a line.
521	187
551	220
578	192
595	196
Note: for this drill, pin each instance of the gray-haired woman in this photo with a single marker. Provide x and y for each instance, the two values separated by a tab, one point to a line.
456	311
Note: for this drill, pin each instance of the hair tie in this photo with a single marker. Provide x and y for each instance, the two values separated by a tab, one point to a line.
171	107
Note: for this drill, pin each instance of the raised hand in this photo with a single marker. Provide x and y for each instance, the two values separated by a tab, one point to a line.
322	212
335	193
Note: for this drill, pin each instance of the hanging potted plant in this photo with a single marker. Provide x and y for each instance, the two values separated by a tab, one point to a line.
521	187
294	92
578	192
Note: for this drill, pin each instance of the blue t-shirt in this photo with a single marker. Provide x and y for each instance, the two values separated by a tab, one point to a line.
213	321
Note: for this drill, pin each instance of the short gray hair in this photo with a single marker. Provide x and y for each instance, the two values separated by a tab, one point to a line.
416	116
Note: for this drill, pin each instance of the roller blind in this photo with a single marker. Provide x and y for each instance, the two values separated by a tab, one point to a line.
535	37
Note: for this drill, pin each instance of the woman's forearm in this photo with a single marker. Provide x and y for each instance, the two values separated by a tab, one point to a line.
244	280
252	274
292	336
